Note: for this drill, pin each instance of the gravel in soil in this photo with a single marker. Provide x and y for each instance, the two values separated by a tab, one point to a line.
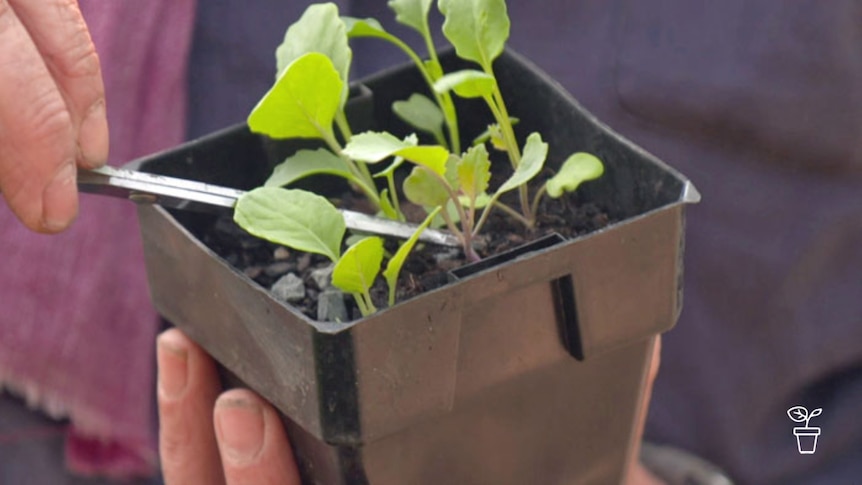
427	266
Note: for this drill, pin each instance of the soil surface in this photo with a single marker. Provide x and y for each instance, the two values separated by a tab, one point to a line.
427	266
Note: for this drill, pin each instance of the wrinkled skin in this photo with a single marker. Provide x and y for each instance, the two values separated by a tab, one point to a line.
52	110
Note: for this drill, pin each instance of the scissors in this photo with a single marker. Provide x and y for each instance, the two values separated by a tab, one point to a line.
176	193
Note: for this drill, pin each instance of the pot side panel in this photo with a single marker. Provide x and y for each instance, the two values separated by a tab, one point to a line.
406	360
240	325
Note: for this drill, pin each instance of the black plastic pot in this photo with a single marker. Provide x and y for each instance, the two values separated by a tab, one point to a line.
527	370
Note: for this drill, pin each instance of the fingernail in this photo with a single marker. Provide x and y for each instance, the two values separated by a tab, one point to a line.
240	429
173	367
60	199
93	136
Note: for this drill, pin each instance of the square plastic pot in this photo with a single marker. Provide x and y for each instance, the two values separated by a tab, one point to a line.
529	368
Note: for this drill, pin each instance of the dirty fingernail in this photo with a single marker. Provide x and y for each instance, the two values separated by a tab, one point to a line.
173	367
240	429
60	199
93	136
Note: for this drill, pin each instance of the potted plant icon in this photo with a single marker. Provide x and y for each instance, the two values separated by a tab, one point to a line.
806	436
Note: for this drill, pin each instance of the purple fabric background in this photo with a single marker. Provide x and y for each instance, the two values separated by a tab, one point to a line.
77	329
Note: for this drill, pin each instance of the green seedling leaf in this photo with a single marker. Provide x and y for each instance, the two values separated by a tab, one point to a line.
372	147
494	134
423	188
302	103
358	267
433	157
294	218
474	172
468	83
578	168
421	113
452	172
481	201
305	163
532	161
318	30
393	268
366	28
412	13
451	211
477	28
390	170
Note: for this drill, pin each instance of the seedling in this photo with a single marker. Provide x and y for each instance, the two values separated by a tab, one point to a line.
308	99
308	222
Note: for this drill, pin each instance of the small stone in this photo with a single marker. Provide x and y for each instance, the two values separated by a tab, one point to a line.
304	262
480	243
447	255
278	269
322	277
331	307
253	271
289	288
281	253
515	239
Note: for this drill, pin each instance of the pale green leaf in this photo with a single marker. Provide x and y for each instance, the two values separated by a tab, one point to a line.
372	147
412	13
532	161
318	30
494	134
477	28
294	218
451	211
390	170
452	172
420	112
393	267
482	200
366	28
433	157
578	168
358	267
424	188
467	83
302	103
474	171
305	163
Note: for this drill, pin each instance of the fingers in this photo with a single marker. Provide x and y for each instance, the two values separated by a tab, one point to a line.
253	445
50	81
187	389
60	33
637	473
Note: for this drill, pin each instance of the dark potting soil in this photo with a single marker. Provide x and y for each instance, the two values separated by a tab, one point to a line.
427	266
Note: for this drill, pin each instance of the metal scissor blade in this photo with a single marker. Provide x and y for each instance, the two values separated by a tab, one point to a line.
184	194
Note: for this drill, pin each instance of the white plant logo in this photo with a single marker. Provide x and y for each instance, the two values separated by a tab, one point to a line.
806	436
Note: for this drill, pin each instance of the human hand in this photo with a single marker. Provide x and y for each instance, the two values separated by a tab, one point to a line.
52	110
233	438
